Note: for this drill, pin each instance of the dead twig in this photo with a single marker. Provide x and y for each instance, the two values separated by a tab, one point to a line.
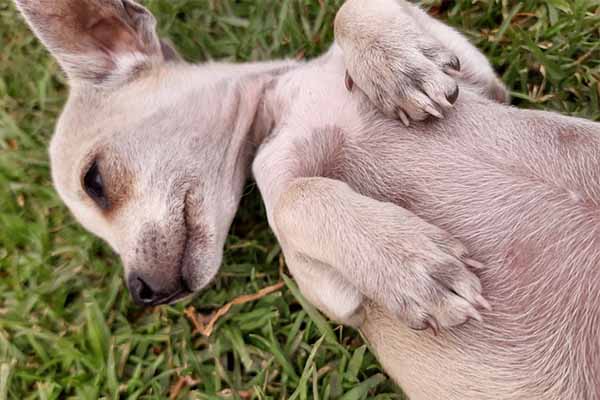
182	382
206	328
243	394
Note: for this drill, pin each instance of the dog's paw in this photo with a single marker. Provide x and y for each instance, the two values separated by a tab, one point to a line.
437	288
410	77
327	290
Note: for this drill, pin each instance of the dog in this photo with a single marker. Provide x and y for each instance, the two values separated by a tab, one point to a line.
380	164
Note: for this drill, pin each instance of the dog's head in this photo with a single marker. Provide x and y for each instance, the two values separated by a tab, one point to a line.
150	153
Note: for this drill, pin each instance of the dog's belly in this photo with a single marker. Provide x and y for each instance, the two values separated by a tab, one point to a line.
522	191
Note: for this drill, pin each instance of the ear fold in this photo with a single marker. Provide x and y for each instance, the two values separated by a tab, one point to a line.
96	41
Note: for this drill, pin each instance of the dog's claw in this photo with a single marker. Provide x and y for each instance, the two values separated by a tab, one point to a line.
453	73
452	97
349	82
431	110
455	64
443	102
474	314
403	117
476	265
483	303
433	324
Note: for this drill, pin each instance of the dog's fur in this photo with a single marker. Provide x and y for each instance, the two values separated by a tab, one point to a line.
372	213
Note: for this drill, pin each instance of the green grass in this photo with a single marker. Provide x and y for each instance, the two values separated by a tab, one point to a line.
67	326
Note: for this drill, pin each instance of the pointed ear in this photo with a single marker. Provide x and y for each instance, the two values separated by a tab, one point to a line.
95	41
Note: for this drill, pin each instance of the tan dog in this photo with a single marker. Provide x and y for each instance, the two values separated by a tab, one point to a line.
152	154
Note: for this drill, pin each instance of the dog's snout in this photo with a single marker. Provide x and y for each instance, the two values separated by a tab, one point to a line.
141	291
164	264
147	291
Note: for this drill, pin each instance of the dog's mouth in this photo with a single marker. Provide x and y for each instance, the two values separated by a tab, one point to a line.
169	300
176	297
191	269
185	290
180	295
143	294
197	257
172	282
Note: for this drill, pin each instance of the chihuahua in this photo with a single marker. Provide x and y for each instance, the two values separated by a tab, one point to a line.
380	163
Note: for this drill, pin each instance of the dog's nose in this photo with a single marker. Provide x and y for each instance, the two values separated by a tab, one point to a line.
146	292
141	291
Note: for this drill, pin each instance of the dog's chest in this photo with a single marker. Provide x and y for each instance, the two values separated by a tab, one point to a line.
315	96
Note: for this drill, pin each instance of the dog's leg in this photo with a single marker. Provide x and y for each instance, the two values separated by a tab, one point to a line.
408	63
476	70
342	246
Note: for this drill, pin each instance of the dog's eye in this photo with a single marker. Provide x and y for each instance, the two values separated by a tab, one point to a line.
94	186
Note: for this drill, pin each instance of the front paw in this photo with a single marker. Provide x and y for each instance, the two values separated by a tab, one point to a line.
327	289
437	288
406	75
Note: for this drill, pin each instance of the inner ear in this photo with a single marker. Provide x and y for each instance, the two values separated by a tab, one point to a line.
114	36
95	40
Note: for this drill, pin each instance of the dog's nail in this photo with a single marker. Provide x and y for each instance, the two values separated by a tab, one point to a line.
455	64
431	110
454	95
474	264
442	102
474	314
403	117
453	73
433	324
483	303
349	82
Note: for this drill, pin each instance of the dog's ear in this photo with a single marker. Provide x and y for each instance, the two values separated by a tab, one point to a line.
169	52
95	41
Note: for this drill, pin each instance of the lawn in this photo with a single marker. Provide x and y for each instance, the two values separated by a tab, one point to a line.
68	328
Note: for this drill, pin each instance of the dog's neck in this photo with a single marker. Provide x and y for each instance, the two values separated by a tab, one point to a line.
267	116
